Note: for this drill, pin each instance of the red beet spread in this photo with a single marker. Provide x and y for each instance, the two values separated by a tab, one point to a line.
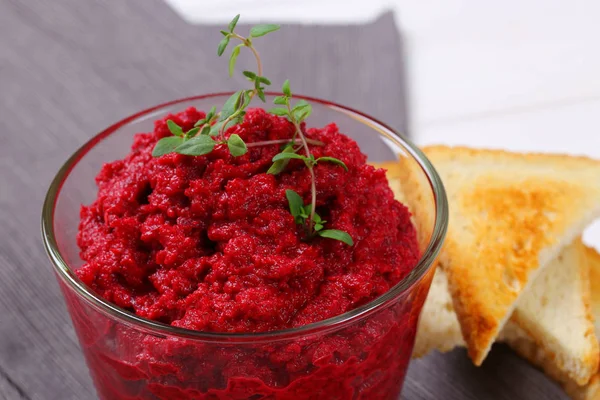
208	242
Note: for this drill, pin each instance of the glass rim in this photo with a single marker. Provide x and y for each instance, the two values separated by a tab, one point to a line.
427	259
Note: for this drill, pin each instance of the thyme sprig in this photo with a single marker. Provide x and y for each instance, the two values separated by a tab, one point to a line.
297	114
209	131
301	213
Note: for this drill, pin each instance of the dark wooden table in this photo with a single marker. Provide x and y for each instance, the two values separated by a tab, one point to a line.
69	68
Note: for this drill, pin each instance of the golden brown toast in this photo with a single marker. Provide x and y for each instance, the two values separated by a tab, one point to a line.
509	214
439	329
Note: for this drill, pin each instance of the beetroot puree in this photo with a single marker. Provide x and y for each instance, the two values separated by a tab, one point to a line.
208	243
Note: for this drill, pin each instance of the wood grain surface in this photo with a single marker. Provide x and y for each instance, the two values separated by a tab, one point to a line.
69	68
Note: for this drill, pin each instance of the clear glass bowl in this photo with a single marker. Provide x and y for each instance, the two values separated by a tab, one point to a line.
362	354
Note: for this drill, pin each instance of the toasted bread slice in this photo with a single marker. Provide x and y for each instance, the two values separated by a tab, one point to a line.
555	312
559	294
592	390
439	330
527	347
509	214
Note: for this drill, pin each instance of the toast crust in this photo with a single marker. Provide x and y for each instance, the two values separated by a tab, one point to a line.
509	214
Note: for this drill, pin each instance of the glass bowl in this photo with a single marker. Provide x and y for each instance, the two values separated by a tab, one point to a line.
362	354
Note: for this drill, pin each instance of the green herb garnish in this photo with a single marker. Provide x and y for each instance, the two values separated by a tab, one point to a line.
209	132
297	114
301	213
